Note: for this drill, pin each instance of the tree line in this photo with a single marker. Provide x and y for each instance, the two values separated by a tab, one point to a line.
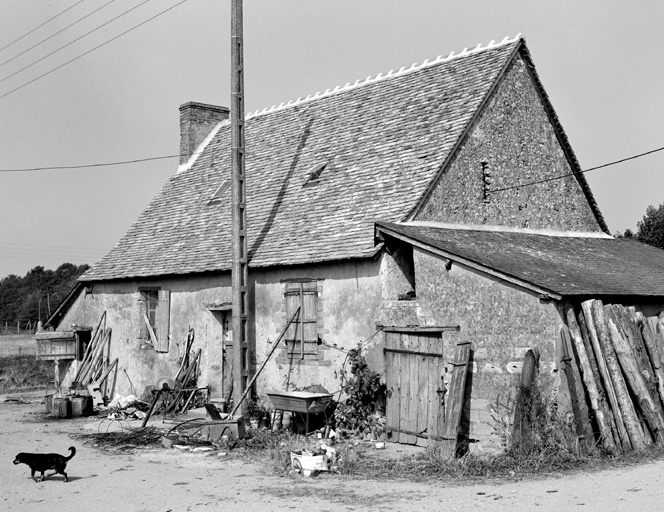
36	295
650	230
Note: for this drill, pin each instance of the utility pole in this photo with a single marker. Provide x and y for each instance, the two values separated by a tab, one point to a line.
241	366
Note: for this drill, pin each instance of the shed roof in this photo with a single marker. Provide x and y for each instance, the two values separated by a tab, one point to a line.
566	264
382	143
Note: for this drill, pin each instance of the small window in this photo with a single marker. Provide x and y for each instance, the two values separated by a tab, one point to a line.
302	336
155	317
216	197
313	176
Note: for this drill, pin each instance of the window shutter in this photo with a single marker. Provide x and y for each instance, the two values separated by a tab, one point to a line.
163	320
143	330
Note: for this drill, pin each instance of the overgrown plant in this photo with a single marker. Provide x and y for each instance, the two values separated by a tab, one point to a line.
533	430
355	415
257	410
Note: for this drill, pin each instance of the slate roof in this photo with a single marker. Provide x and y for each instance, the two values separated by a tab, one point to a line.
565	265
383	141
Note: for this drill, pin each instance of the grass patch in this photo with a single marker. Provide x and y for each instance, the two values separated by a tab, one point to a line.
21	373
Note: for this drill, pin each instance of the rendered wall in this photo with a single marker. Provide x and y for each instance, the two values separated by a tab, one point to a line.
512	142
348	304
140	365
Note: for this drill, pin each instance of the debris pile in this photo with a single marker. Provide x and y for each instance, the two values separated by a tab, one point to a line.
126	441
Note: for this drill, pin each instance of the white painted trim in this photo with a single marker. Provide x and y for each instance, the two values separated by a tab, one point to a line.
507	229
201	147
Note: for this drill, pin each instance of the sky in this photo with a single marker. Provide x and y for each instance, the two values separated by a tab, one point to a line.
599	61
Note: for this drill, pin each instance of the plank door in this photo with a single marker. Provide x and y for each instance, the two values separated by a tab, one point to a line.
414	369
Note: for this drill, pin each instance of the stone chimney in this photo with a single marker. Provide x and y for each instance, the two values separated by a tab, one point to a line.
196	122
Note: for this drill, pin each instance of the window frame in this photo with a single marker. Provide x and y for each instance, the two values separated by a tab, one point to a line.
302	337
155	308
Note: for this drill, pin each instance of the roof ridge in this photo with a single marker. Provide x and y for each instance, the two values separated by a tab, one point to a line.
380	76
338	89
506	229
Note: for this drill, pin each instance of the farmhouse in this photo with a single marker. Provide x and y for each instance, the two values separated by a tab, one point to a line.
389	210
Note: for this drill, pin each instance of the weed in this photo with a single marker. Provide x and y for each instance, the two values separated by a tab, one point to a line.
18	373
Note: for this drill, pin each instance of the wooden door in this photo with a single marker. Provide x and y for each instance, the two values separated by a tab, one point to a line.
414	367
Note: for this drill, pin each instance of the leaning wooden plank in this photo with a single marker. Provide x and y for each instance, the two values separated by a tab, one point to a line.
597	402
90	362
153	336
606	376
260	369
177	393
660	338
90	348
87	373
653	324
455	399
636	434
636	382
650	340
576	389
628	324
602	398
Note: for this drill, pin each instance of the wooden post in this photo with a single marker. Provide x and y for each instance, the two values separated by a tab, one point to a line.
636	434
650	338
455	399
606	377
597	401
241	351
577	395
627	324
637	384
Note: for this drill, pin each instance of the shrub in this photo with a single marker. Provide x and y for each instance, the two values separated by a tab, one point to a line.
355	415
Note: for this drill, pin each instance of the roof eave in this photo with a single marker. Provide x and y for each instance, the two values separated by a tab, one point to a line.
543	293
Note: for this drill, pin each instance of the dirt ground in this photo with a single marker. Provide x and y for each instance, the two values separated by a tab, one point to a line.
169	480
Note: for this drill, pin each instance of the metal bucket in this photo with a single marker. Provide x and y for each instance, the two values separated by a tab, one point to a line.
61	408
78	406
48	401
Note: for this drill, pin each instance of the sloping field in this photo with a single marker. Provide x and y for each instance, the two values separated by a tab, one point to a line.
17	345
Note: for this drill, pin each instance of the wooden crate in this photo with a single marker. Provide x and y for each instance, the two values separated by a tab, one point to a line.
56	345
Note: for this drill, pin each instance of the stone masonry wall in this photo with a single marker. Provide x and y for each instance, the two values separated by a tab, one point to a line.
512	142
502	323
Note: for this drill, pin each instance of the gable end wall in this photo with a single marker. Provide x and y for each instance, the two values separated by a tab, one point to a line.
515	139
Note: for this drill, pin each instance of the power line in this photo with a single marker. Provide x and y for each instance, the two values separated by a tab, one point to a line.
138	160
40	26
57	33
67	247
93	49
72	42
84	166
573	174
